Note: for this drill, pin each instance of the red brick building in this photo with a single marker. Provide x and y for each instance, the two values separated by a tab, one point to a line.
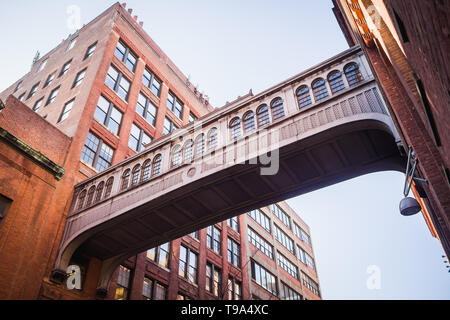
406	43
266	254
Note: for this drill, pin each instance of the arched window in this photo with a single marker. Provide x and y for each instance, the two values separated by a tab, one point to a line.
146	168
81	198
176	156
125	179
98	195
156	170
319	89
188	151
235	126
212	139
303	97
200	146
336	82
249	122
262	115
90	196
108	187
277	109
136	174
353	74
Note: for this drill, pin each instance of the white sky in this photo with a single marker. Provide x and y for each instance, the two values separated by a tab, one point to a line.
228	47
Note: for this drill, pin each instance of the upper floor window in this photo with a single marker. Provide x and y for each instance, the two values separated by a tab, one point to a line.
249	122
192	117
284	239
188	264
146	170
353	74
96	153
42	65
125	179
302	235
123	283
79	78
22	96
305	258
33	90
261	218
319	89
160	255
234	253
176	156
234	289
66	110
38	104
287	265
18	86
336	82
188	151
264	278
277	109
156	169
200	145
281	215
233	223
52	95
288	293
138	138
146	109
107	114
235	126
152	82
49	79
147	289
99	192
303	97
72	44
262	113
310	284
175	105
260	243
65	68
212	139
117	82
126	55
90	51
169	126
213	239
213	279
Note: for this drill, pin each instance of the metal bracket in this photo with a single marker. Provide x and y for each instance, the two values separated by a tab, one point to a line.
410	171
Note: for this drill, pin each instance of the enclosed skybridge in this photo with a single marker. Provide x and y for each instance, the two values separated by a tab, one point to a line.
325	125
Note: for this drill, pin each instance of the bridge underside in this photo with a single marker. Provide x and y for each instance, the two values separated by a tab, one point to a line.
306	165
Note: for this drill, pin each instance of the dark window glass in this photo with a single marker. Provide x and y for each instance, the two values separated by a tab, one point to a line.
235	126
277	109
90	51
319	89
79	78
234	253
52	96
33	90
336	82
49	79
66	110
303	97
65	68
353	74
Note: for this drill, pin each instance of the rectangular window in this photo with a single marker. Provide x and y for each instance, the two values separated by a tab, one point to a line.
152	82
49	79
117	82
5	203
302	235
42	65
65	68
72	44
234	289
264	278
213	279
147	289
260	243
281	215
160	255
96	153
284	239
90	51
22	96
261	218
18	86
234	253
146	109
192	117
213	239
52	96
160	292
169	126
66	110
175	105
287	265
188	264
195	235
33	90
107	114
124	54
288	293
233	223
305	258
310	284
138	138
38	104
79	78
123	283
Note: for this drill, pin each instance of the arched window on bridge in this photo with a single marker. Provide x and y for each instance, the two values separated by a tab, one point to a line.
353	74
176	156
108	187
156	170
249	122
188	151
200	146
146	168
319	89
212	139
136	174
235	126
125	179
277	109
303	97
98	195
90	196
81	198
336	82
262	114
